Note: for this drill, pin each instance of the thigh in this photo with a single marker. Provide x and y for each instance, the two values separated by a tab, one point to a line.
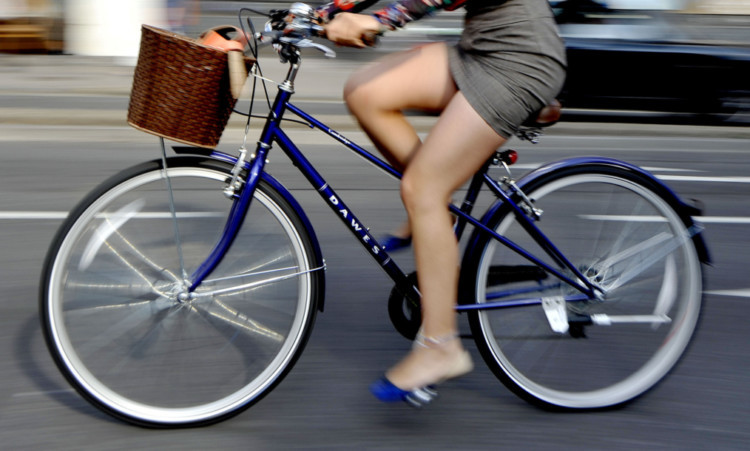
456	147
419	78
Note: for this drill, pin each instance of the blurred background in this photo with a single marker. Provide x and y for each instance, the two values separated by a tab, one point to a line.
663	84
678	61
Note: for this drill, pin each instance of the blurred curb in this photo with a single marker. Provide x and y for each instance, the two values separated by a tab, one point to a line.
72	76
342	122
634	129
345	123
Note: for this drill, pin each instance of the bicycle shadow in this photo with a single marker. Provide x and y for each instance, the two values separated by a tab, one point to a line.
31	365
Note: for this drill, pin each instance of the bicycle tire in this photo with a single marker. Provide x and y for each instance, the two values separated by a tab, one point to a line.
110	311
620	228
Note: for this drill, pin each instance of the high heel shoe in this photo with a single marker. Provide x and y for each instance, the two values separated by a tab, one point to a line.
386	391
392	243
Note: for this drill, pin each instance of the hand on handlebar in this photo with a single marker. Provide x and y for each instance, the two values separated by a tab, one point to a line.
353	30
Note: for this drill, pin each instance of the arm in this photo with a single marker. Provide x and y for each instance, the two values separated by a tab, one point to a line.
400	13
326	12
393	16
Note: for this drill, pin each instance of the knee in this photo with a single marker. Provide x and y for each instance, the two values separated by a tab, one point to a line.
350	88
409	192
419	196
358	96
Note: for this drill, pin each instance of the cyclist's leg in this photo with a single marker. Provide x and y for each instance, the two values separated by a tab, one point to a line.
377	95
457	146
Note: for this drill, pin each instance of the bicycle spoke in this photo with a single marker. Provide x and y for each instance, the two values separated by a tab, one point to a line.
102	237
280	257
236	319
110	225
249	286
653	256
142	315
634	250
668	293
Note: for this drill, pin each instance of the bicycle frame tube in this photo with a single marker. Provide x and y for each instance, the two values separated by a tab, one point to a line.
584	287
314	123
462	213
541	239
333	200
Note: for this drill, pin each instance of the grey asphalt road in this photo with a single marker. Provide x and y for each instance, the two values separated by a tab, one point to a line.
324	403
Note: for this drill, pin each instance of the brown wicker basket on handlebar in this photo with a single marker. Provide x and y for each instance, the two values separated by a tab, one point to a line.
181	89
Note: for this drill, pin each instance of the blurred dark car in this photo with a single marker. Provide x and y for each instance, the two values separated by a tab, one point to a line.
653	66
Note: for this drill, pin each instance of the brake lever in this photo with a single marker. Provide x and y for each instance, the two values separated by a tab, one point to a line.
308	43
277	16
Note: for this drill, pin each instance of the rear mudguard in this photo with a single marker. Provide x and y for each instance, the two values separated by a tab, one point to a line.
687	213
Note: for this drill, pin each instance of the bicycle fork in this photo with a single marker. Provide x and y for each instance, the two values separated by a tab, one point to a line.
241	193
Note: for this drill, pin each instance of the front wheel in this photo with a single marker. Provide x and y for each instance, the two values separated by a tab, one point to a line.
621	232
115	313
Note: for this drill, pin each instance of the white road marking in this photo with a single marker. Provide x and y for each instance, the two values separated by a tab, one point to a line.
33	214
735	293
64	214
41	393
651	218
697	178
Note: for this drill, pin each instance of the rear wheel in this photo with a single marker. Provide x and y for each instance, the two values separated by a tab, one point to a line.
621	234
113	302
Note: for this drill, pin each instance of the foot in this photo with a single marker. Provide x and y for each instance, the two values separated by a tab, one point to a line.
385	391
431	361
398	239
392	243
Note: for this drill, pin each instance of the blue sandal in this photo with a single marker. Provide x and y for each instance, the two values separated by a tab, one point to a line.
385	391
392	243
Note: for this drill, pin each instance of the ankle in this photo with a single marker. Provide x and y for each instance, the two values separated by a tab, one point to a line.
446	342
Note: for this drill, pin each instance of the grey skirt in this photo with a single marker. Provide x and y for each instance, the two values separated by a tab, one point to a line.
510	61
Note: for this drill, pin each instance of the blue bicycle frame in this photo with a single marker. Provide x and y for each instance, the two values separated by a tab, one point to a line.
273	133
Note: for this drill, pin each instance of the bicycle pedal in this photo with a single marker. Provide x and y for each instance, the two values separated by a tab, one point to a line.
557	314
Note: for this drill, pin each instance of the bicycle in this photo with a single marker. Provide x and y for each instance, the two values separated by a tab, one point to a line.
167	305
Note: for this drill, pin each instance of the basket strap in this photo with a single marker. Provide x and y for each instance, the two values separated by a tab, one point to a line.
237	72
220	38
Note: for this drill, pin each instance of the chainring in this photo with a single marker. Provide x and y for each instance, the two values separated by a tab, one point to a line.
405	309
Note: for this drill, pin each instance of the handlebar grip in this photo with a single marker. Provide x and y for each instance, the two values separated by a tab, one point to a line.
319	31
372	39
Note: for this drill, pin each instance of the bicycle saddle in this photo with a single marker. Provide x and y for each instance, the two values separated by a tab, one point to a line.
544	117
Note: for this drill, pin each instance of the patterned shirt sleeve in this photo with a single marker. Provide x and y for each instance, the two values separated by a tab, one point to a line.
326	12
393	16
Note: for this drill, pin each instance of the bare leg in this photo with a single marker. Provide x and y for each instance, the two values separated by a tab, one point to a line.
453	151
378	94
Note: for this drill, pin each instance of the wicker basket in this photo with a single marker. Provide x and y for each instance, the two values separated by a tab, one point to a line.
181	89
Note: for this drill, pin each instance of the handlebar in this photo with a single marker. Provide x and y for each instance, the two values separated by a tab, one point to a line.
294	28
